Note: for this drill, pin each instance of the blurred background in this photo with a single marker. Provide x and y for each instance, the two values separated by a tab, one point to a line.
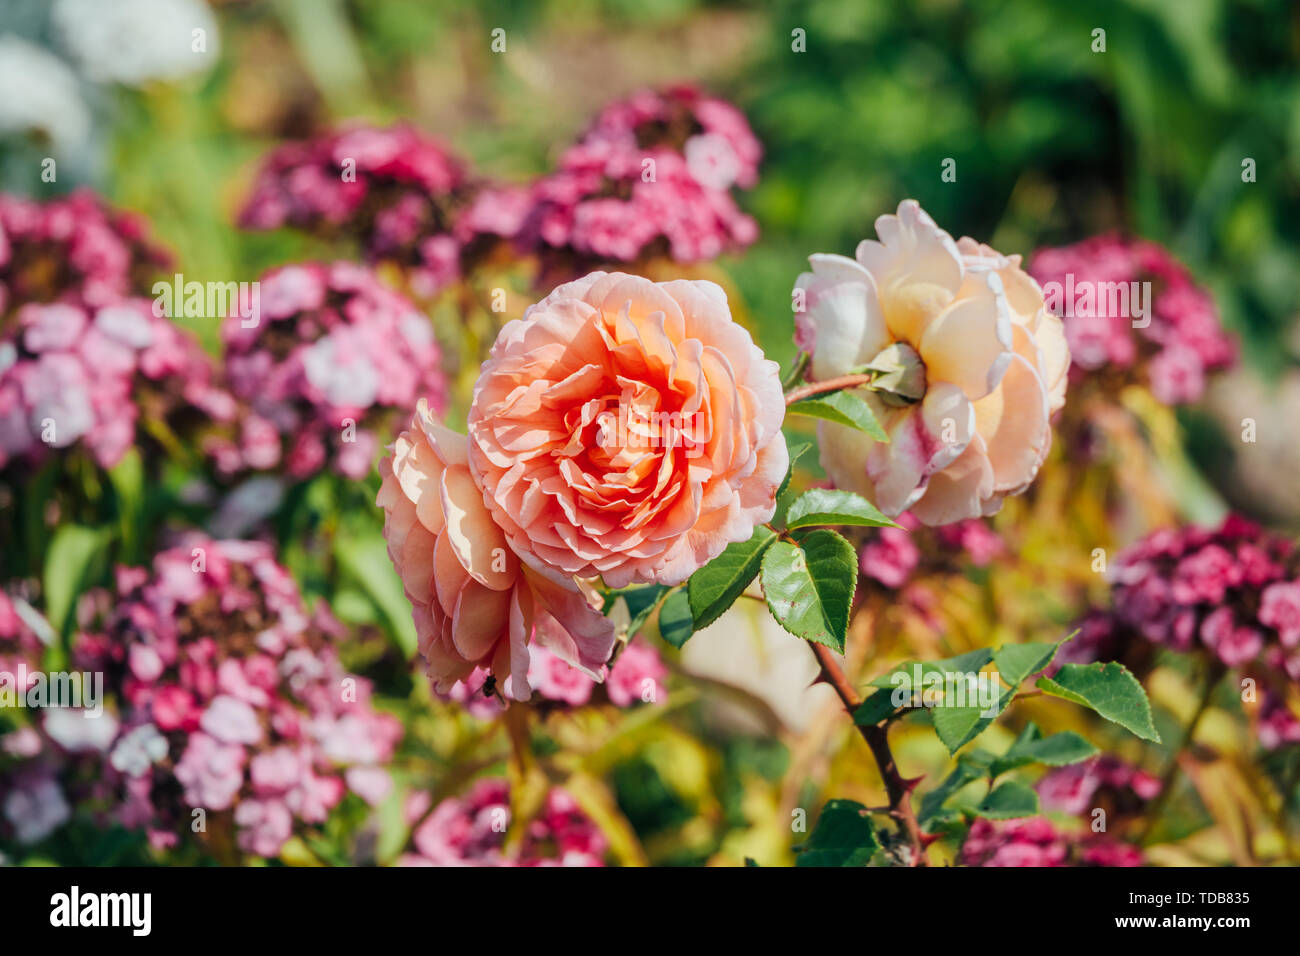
1179	123
1052	140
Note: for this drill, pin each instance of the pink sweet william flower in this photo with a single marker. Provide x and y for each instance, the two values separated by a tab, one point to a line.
652	174
471	831
395	188
637	676
627	429
1037	842
222	692
981	367
334	357
1171	339
476	604
890	557
553	679
1280	608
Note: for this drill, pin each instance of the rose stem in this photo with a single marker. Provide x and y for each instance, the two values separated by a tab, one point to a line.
877	738
829	385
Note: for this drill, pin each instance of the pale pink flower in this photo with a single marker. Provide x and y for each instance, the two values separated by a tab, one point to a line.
988	364
628	429
475	603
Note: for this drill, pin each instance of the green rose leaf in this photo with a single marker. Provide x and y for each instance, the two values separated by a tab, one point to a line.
970	767
1110	690
1009	800
969	663
845	407
1055	750
676	623
796	450
844	836
809	586
640	599
716	586
875	709
823	506
1015	662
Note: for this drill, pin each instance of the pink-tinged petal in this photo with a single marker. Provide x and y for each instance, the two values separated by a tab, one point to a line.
958	491
1014	424
416	467
477	540
925	439
969	343
843	315
1054	358
482	618
415	564
510	666
449	575
450	447
583	638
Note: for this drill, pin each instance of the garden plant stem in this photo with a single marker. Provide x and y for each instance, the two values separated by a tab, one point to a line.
877	738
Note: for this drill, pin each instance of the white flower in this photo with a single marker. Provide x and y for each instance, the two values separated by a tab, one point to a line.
135	41
138	750
41	93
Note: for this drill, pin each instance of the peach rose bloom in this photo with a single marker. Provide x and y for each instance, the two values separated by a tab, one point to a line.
475	604
628	429
985	361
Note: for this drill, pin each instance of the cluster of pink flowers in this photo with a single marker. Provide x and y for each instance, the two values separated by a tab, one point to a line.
334	356
1036	841
637	676
655	169
471	831
1075	790
394	188
1182	339
1078	788
230	697
652	175
1233	593
892	556
83	355
73	250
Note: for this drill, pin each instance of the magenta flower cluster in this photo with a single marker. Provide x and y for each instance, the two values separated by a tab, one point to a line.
83	355
637	676
230	699
893	556
470	831
334	357
1037	841
1095	286
397	190
1232	593
1073	791
73	250
1079	788
653	173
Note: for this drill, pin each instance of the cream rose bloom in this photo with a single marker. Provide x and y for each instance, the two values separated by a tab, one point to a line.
475	604
992	364
628	429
